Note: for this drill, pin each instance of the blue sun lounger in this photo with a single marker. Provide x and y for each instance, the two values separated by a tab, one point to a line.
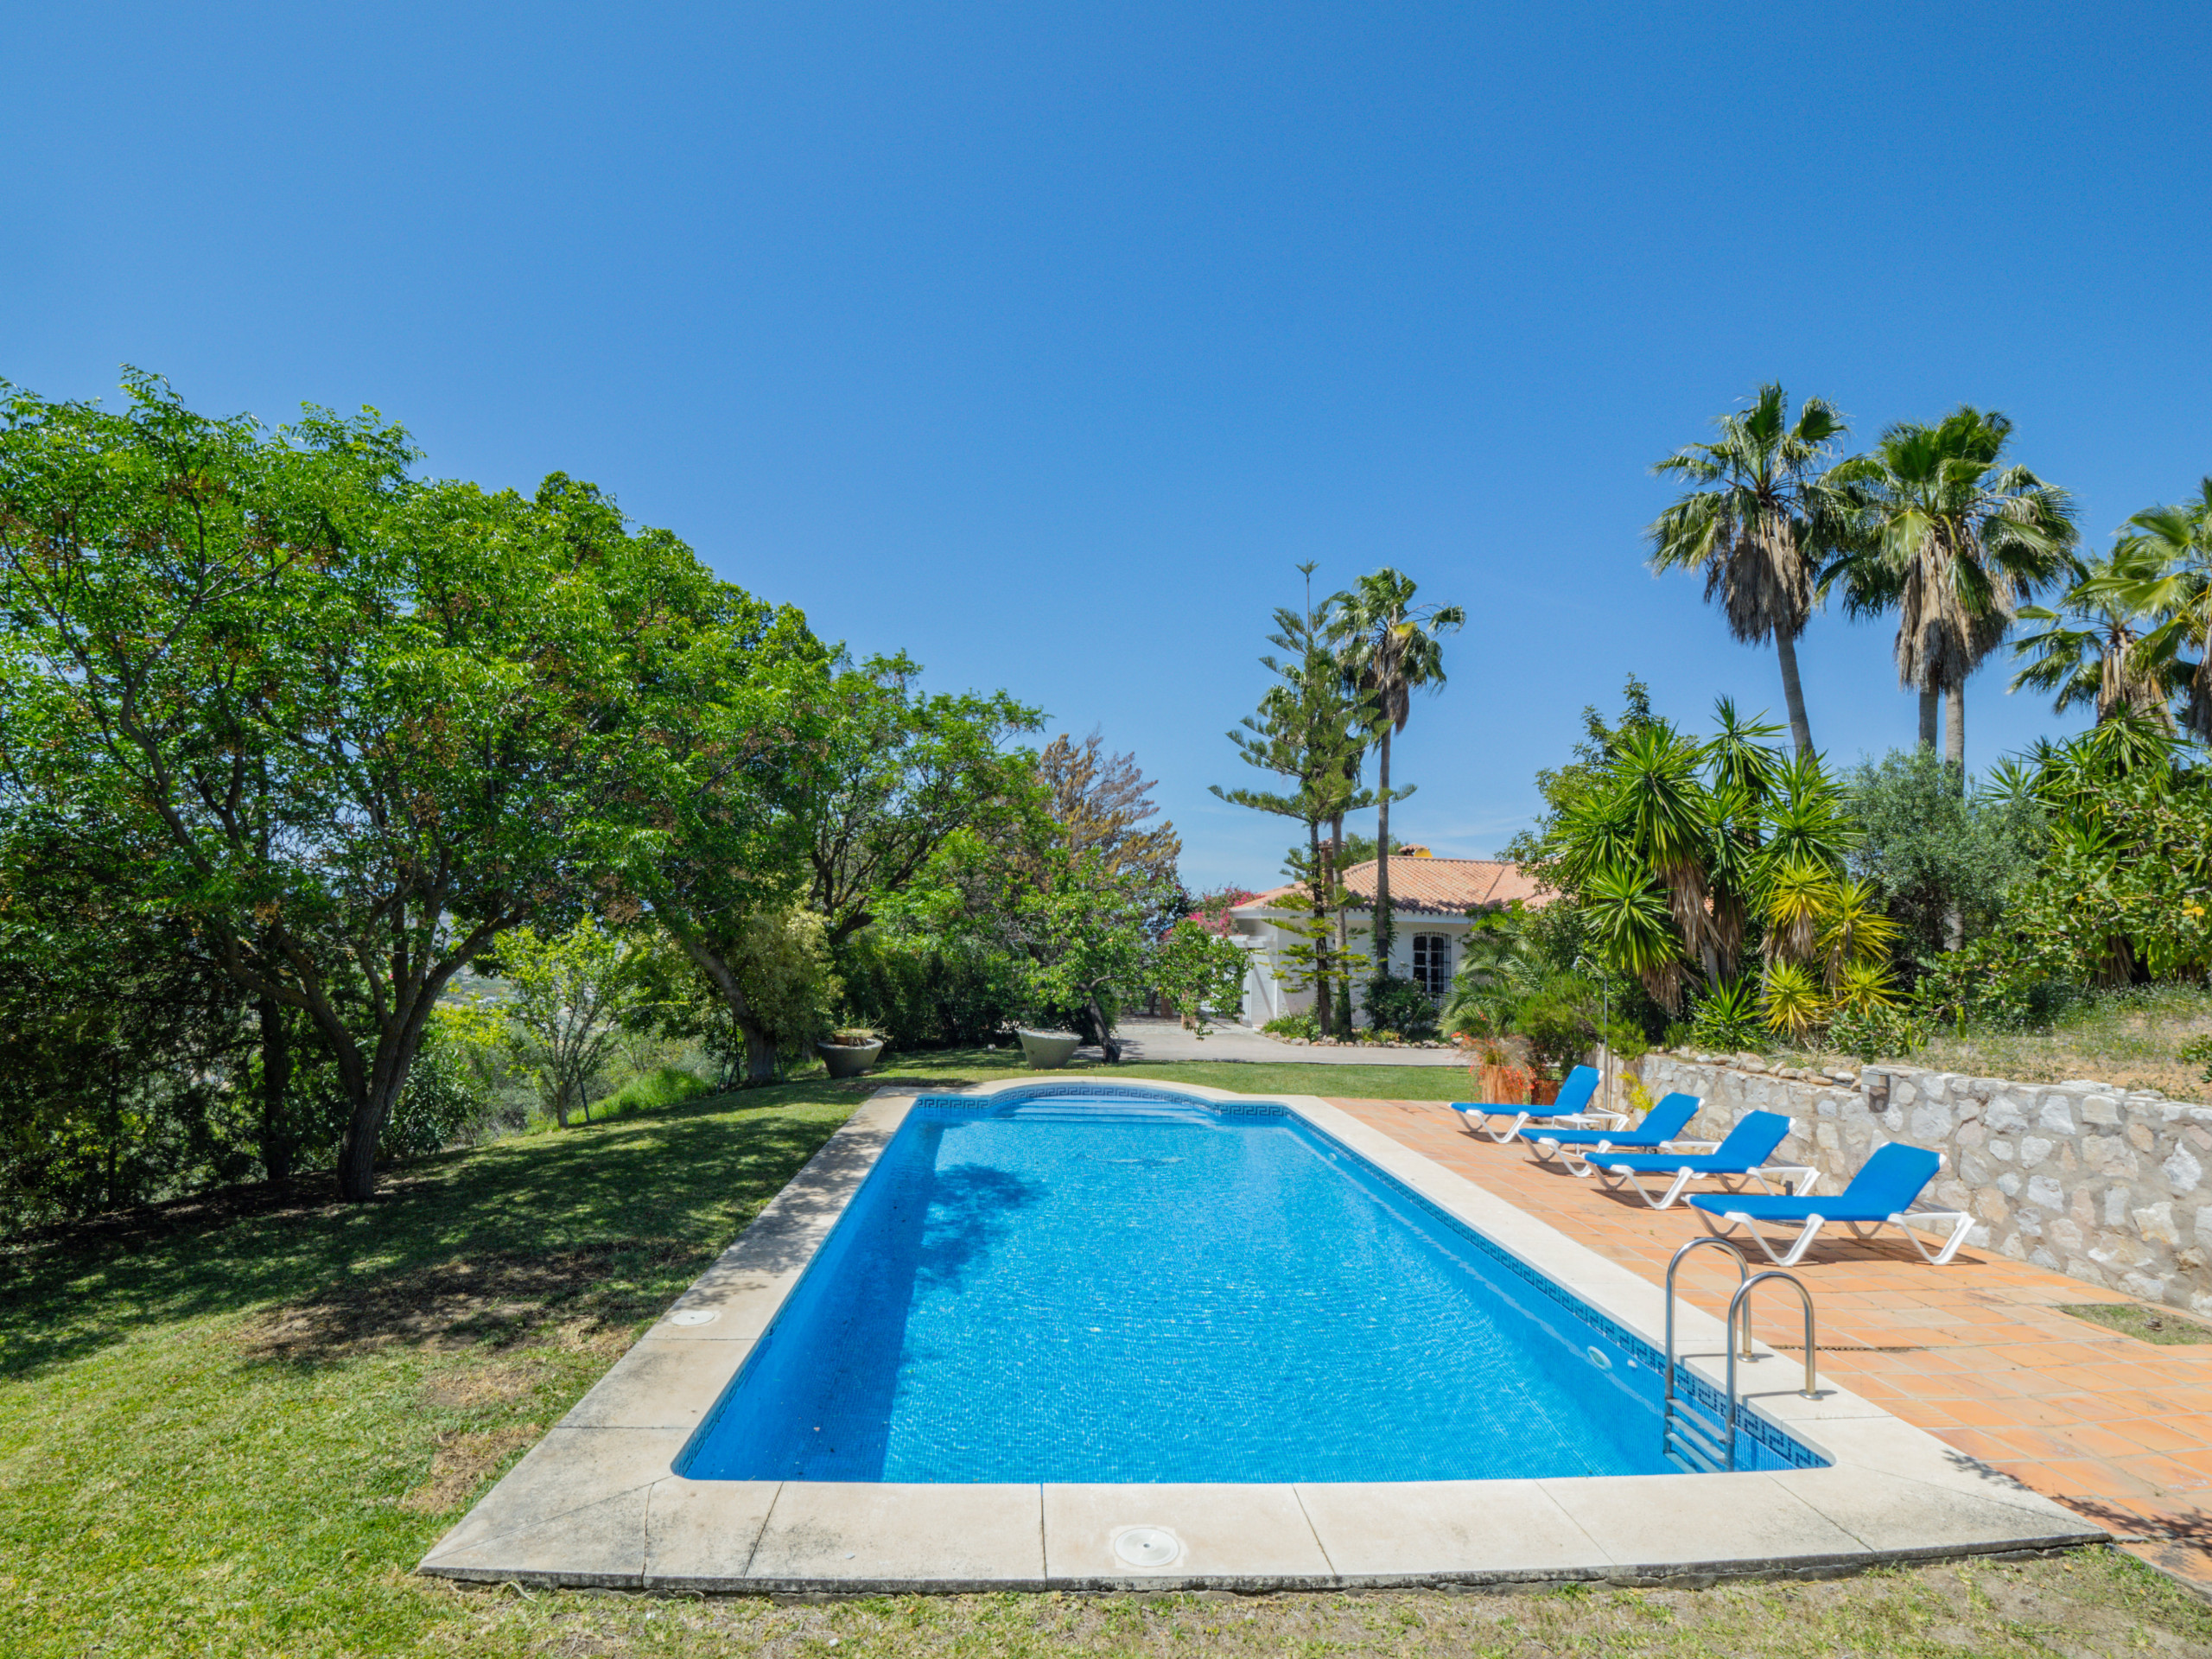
1881	1194
1660	1127
1570	1110
1741	1157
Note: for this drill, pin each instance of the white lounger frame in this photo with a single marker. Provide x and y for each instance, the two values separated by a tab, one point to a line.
1478	1120
1797	1179
1959	1222
1576	1159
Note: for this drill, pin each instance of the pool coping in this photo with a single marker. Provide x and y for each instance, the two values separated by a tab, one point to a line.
594	1503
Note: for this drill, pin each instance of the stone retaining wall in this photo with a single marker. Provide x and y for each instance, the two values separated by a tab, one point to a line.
2110	1186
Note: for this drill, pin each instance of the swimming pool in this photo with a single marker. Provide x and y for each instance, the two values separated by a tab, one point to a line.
1142	1287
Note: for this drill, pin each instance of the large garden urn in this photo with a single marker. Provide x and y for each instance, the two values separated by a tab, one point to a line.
1047	1050
849	1060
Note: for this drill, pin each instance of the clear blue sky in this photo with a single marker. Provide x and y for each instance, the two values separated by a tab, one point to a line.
1042	342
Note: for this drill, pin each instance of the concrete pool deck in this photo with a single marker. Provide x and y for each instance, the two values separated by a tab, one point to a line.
595	1503
1979	1353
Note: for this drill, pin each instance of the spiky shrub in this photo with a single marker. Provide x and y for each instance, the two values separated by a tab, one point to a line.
1792	1002
1729	1017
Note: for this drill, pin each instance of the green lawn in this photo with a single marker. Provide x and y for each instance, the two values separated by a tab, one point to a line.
952	1066
234	1427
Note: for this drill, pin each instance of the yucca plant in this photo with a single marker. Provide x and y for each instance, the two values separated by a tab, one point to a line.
1793	1000
1856	934
1728	1015
1800	896
1862	988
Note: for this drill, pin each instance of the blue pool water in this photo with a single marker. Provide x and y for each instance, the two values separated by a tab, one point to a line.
1138	1289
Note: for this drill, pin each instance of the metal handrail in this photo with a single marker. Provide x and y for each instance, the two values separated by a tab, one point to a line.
1742	1274
1742	1300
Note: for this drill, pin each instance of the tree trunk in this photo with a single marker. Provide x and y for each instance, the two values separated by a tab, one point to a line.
1343	926
357	1154
1324	1009
376	1097
1386	928
760	1051
1931	719
275	1083
1107	1046
1954	756
1793	693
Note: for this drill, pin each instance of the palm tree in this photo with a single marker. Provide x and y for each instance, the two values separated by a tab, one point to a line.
1936	530
1759	532
1390	650
2091	651
2174	583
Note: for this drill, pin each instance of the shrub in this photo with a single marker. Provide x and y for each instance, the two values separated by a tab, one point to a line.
440	1099
2198	1051
1294	1025
2005	984
1400	1005
922	994
1728	1016
663	1086
1878	1032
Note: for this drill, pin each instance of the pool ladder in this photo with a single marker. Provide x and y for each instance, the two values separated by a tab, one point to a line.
1695	1441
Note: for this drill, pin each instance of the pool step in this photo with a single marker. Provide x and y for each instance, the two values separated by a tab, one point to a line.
1120	1110
1692	1438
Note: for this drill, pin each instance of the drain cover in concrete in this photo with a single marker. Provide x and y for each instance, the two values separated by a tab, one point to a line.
1148	1546
693	1316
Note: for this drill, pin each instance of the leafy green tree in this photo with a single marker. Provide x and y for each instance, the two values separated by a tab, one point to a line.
123	1037
1935	851
1936	530
904	771
1677	859
369	724
2124	888
1494	959
1390	648
1760	528
1081	935
1201	972
572	994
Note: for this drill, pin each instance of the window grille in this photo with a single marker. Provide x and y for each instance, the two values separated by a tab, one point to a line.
1432	962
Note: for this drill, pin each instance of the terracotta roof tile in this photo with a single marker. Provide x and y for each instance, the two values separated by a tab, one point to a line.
1432	887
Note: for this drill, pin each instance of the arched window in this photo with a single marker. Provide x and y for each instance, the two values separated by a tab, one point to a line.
1432	962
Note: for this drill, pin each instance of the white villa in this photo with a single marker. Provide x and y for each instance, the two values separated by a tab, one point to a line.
1430	899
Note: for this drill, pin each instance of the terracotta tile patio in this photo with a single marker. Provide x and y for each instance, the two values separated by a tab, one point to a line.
1978	1353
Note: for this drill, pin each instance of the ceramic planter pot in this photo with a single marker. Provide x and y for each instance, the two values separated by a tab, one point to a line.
848	1060
1047	1050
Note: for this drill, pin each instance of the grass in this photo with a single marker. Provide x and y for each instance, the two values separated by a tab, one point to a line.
2158	1324
948	1068
664	1085
2132	1039
232	1426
